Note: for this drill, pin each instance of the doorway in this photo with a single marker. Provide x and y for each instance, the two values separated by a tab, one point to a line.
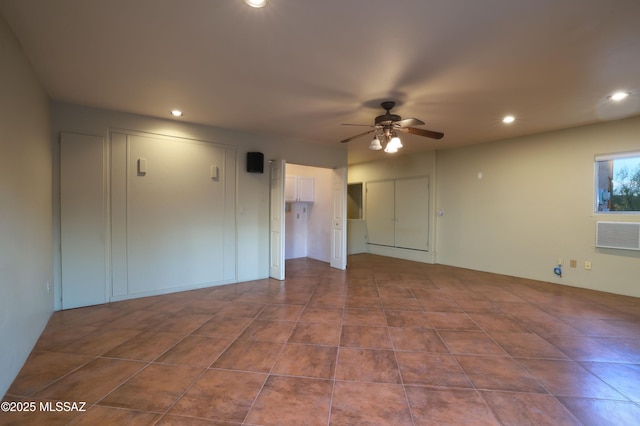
313	215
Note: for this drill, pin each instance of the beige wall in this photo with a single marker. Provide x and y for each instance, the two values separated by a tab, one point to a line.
392	167
533	205
252	189
25	208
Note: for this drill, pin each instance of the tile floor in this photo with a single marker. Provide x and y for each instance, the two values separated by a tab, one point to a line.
389	342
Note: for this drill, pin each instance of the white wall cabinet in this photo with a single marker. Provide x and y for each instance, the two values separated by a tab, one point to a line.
299	188
397	213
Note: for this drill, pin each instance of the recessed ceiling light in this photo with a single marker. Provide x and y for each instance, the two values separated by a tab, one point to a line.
618	96
508	119
176	113
256	3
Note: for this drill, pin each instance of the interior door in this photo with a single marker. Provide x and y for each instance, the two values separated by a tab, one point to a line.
412	213
339	224
380	212
277	170
82	223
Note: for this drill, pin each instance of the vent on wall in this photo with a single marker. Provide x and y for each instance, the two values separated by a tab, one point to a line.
618	235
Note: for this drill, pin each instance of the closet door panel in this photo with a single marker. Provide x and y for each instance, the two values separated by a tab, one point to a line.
380	212
412	213
175	214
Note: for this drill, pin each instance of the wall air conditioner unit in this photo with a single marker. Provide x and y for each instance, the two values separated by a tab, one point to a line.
618	235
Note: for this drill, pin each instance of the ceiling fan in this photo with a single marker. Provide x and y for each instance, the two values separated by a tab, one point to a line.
388	125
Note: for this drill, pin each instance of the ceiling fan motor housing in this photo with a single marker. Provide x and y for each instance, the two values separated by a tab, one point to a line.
388	118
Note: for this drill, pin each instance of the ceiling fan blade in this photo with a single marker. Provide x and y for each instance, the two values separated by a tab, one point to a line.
357	136
422	132
361	125
409	122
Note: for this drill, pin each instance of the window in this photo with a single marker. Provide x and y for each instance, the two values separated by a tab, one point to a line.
618	182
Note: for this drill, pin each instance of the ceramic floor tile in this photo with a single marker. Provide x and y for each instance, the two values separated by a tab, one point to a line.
364	317
598	412
36	418
498	373
362	302
241	309
367	365
197	351
42	368
375	337
626	347
292	400
316	334
56	335
583	348
182	323
497	323
448	407
173	420
527	345
369	404
431	369
322	315
138	320
281	312
98	342
407	319
220	326
417	339
92	381
307	360
513	408
437	304
220	395
364	336
452	321
268	331
363	291
249	355
568	378
470	342
155	388
146	346
625	378
100	415
401	304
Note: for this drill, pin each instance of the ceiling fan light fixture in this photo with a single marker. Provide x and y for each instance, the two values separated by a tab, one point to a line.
618	96
375	144
390	148
395	142
256	3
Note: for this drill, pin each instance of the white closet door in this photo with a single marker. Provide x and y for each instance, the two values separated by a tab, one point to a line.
276	217
412	213
339	222
380	212
82	224
175	214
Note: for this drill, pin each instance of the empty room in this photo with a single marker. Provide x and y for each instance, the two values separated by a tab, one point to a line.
246	212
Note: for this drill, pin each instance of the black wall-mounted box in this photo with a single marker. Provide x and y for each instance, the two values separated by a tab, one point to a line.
255	162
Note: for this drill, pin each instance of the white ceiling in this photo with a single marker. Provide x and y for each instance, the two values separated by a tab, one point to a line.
298	69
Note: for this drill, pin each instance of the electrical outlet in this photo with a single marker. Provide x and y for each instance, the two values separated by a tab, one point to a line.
587	265
573	263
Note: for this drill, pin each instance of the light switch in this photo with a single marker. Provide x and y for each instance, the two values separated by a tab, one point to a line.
214	172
